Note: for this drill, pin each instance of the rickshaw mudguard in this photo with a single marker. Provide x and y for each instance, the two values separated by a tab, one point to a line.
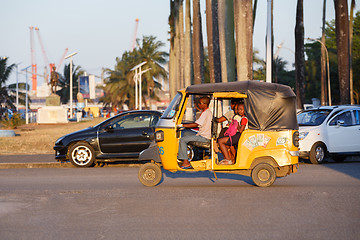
151	153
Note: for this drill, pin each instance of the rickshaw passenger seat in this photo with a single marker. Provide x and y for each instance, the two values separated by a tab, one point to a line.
200	144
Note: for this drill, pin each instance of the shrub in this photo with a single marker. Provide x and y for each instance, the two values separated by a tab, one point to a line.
12	122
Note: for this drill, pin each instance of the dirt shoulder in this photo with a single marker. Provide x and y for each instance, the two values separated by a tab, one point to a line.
40	139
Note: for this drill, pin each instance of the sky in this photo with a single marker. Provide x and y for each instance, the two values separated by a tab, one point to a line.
102	30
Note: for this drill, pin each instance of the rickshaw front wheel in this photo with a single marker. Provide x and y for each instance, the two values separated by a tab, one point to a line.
150	174
263	175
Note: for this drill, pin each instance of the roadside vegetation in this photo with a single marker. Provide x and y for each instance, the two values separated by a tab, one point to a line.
40	139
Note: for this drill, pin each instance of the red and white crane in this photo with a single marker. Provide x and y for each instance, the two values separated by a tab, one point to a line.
46	61
135	33
33	62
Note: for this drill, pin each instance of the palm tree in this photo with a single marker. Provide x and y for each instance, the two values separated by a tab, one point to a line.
351	32
174	8
198	47
323	60
8	92
119	86
149	51
342	42
299	54
226	40
187	46
64	83
212	27
244	47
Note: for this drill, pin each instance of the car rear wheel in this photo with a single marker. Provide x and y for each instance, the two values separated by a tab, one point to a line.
263	175
317	153
150	174
81	155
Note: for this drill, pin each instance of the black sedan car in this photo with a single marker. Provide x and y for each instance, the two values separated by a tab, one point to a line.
121	137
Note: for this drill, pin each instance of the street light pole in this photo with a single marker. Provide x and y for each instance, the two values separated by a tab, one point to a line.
71	82
26	98
328	69
17	86
268	44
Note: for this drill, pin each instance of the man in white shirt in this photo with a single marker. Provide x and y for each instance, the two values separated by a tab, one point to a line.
204	134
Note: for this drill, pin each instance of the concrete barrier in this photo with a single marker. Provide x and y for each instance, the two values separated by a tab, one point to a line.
7	133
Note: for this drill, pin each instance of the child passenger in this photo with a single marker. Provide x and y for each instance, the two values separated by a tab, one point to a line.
224	142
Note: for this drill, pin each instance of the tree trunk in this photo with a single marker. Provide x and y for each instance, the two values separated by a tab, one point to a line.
244	47
342	42
254	12
323	59
299	55
351	31
181	61
172	57
187	45
213	40
198	48
226	40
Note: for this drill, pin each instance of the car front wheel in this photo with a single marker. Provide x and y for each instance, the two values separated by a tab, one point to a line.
81	155
317	153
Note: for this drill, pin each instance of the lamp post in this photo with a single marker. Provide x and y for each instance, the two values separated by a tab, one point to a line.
268	44
137	80
328	69
17	86
26	98
71	82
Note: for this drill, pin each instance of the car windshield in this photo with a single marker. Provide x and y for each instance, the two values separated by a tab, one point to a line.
172	108
312	117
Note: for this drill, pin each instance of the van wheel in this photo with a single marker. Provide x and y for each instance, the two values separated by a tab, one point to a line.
150	174
81	155
263	175
317	153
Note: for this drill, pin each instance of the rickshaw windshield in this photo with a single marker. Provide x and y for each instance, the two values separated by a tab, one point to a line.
171	110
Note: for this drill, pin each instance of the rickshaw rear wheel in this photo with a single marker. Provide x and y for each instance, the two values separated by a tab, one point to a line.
150	174
263	175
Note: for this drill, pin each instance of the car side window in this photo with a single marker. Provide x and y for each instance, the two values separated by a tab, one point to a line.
346	117
132	121
154	120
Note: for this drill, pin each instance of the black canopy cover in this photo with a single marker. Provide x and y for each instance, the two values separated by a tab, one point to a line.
268	106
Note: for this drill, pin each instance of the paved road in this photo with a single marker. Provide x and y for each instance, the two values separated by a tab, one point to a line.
39	158
318	202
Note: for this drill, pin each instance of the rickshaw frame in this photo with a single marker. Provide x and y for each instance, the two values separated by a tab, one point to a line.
268	149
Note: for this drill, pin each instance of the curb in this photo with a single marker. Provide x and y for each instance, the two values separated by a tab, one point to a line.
59	165
34	165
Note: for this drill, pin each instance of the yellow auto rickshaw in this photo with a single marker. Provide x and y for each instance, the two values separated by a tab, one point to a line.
266	150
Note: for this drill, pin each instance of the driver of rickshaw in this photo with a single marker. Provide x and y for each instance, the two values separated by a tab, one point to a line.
204	134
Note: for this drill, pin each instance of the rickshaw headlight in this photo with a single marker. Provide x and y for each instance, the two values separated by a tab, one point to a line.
159	136
296	138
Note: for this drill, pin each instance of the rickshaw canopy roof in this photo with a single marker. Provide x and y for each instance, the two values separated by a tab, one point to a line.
268	106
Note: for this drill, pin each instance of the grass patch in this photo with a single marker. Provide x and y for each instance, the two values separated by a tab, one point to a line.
40	139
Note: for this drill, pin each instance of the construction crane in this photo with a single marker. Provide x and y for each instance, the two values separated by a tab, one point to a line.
46	61
61	60
51	65
135	33
33	64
